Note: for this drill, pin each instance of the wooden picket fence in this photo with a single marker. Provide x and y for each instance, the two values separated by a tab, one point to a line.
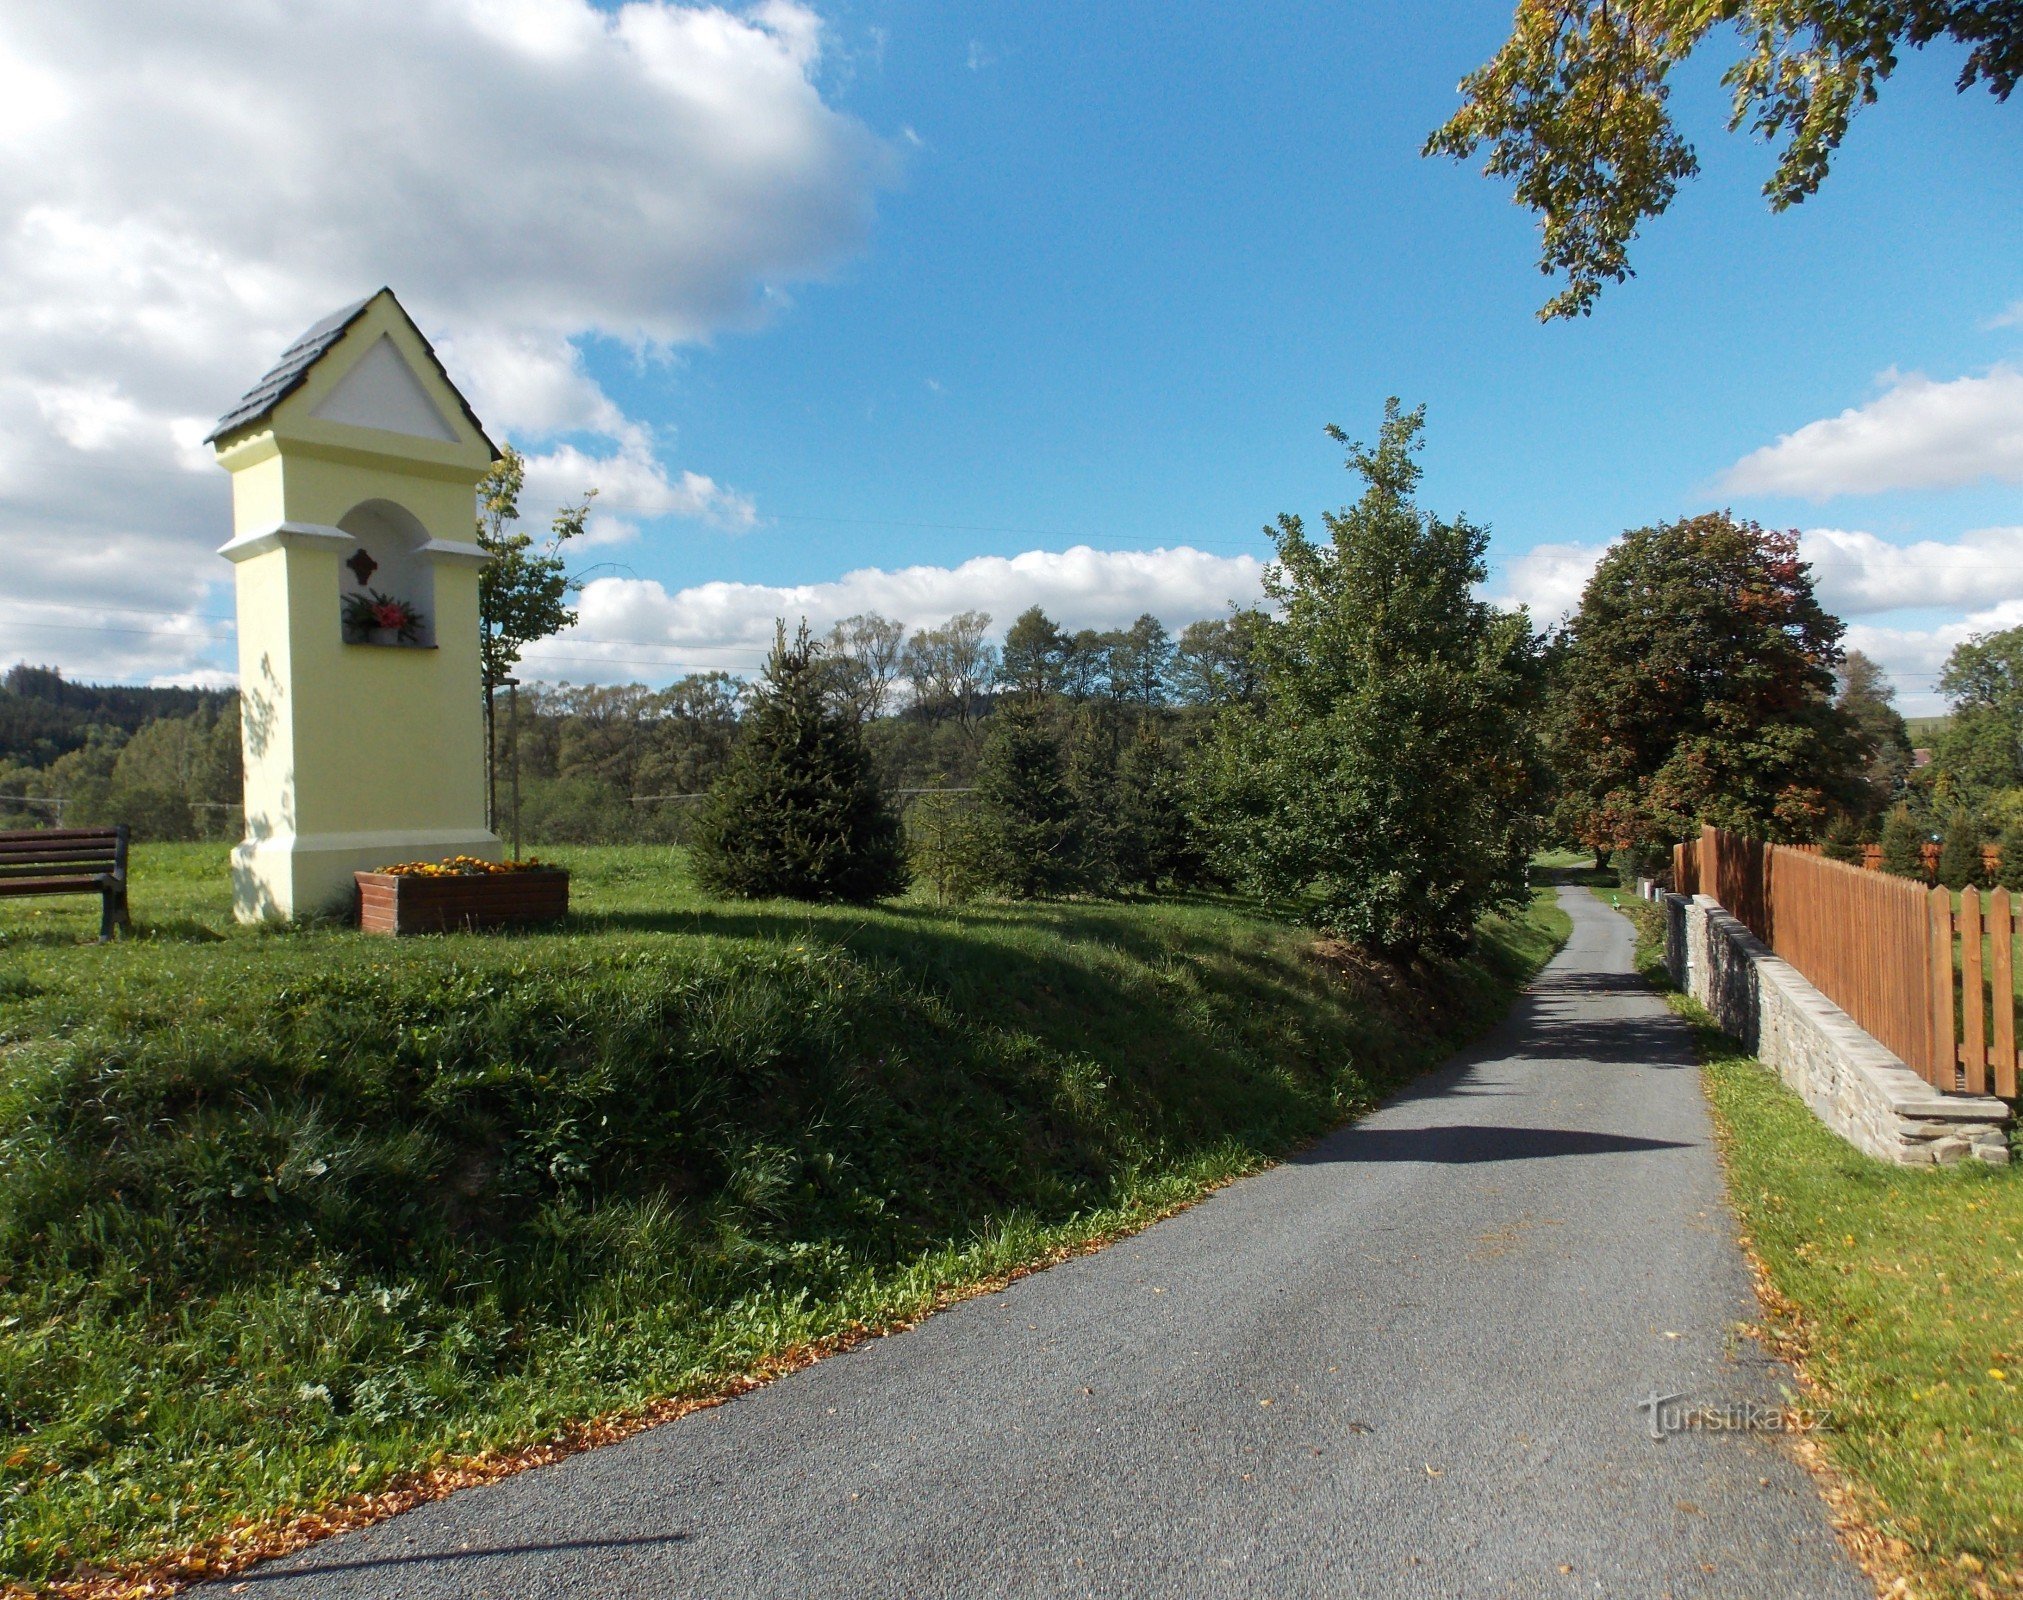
1936	985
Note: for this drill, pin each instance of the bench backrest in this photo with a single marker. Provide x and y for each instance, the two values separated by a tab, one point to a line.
63	853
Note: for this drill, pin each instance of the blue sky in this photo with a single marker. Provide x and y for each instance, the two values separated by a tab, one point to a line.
1139	261
1053	275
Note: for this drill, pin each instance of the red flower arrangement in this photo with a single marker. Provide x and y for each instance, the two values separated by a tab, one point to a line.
368	609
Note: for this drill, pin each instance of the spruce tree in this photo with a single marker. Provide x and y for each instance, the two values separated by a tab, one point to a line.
1155	837
1903	843
1089	770
1025	816
797	811
1960	851
1843	841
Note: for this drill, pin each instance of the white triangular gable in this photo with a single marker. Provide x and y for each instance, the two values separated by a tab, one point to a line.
382	391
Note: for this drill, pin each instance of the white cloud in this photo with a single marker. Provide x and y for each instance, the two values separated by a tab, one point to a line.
1854	573
1916	435
1547	578
1857	573
1914	657
1857	576
633	628
185	186
2012	317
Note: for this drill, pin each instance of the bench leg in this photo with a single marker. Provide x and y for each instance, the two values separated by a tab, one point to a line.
112	915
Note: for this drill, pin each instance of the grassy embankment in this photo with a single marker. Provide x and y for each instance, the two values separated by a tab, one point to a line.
1901	1293
287	1218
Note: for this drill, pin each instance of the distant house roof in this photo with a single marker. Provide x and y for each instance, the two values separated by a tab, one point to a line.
286	375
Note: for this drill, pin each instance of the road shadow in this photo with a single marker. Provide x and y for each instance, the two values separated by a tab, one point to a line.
314	1569
1466	1143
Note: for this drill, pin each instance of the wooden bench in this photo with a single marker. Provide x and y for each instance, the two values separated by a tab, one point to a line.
69	861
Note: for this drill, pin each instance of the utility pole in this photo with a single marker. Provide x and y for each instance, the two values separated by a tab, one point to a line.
513	738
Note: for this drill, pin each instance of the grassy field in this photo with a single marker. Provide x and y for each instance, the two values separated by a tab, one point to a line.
288	1218
1903	1290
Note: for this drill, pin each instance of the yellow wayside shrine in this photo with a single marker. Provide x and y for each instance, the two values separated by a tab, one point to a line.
354	465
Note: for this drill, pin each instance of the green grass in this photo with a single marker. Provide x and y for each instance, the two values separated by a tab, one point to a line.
286	1216
1908	1289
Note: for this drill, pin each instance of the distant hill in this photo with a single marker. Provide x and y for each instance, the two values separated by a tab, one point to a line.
1925	731
43	715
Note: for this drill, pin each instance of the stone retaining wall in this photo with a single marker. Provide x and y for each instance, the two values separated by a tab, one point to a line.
1858	1088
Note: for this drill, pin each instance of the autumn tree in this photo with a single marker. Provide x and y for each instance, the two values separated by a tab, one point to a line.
1695	685
1574	107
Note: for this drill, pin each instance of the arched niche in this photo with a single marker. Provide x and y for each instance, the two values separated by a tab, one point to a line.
391	540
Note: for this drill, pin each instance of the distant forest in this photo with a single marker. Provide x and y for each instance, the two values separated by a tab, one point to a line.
625	763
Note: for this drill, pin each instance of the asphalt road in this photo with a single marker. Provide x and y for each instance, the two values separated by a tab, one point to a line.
1405	1364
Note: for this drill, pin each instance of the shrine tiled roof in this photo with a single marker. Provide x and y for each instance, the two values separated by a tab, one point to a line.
289	371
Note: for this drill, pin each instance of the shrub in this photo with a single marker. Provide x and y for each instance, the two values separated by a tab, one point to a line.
798	810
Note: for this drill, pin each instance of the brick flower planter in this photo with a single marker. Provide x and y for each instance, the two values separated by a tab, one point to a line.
390	902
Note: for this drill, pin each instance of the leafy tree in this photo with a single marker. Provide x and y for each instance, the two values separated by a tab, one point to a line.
1216	662
1573	107
863	654
798	811
1693	686
1387	783
1980	753
1025	812
952	666
1960	851
523	591
1085	664
1903	844
1140	661
1033	647
1868	703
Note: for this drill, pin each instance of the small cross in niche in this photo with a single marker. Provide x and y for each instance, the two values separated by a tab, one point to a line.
362	567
